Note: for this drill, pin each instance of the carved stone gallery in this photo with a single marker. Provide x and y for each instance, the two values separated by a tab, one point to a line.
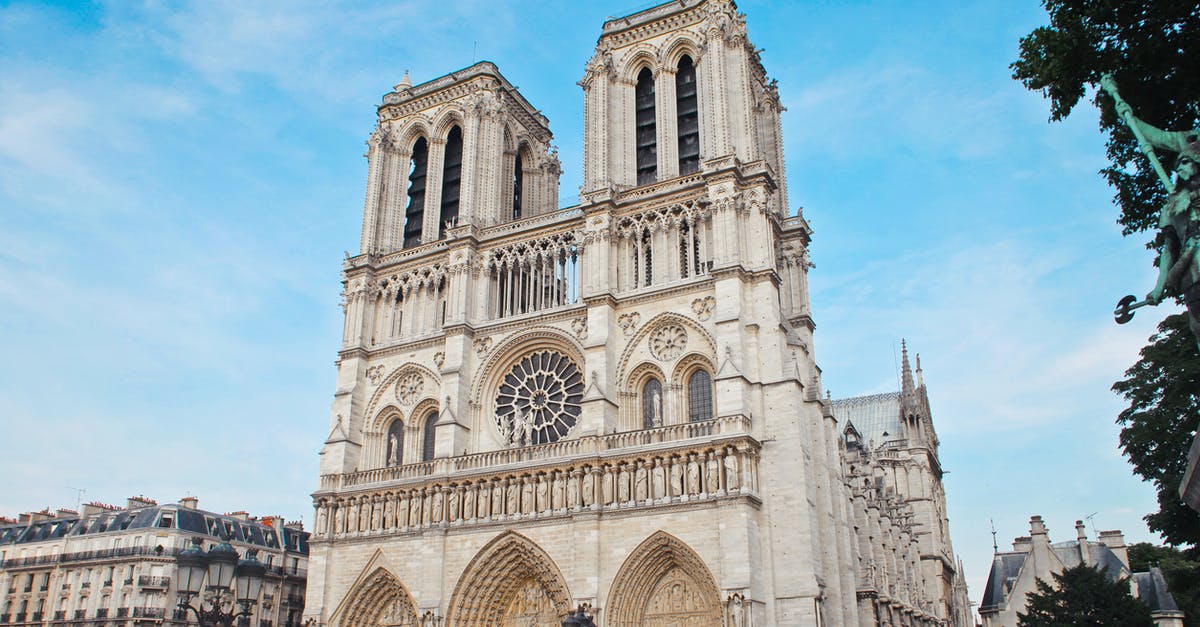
612	407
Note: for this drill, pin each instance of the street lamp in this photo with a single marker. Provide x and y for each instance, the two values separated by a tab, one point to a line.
220	566
578	618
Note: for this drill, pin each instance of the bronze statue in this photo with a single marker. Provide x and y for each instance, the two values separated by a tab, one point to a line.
1179	219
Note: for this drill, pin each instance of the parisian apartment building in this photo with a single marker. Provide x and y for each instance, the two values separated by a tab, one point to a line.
109	566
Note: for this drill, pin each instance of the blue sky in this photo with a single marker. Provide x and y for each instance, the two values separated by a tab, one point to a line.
178	182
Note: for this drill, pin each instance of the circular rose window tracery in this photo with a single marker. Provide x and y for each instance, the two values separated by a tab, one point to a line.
538	400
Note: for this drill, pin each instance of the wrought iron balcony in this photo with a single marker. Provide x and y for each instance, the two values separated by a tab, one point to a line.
80	614
102	612
159	583
122	612
149	612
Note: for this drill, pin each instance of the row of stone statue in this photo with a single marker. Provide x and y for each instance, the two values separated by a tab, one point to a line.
668	478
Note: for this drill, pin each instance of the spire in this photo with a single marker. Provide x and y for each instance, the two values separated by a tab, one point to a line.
405	82
906	381
920	377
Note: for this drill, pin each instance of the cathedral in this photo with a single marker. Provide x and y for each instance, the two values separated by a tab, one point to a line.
612	406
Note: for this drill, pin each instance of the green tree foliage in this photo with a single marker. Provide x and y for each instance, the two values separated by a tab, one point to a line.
1181	569
1083	597
1163	391
1152	48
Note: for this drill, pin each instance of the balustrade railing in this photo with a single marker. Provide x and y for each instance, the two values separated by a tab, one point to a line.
589	445
612	474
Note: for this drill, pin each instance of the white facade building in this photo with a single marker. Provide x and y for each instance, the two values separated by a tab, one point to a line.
617	403
115	567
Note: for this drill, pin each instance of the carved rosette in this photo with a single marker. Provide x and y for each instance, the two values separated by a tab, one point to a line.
409	387
668	342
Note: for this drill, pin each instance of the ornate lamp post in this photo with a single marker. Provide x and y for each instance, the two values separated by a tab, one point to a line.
578	618
220	565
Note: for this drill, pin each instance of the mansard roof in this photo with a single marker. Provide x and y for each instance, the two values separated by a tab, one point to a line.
169	516
876	417
1152	590
1006	568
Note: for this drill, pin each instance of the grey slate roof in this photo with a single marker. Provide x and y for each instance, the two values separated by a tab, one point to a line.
872	416
1152	590
1006	567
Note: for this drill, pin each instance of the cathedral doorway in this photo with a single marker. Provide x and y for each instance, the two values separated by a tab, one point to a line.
380	600
664	583
511	582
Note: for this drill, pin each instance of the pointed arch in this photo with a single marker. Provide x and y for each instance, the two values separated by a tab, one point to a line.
663	578
377	599
637	346
509	572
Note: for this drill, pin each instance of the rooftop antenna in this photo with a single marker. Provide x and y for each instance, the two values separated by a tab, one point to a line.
78	495
995	547
1091	518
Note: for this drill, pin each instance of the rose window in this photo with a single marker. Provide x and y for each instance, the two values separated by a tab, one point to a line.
538	400
668	342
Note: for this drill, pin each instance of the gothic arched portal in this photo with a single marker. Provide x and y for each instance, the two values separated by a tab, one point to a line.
511	582
380	600
663	583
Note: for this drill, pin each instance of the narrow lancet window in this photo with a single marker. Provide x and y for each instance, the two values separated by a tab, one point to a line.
518	183
647	140
700	405
652	404
429	437
415	213
451	180
687	116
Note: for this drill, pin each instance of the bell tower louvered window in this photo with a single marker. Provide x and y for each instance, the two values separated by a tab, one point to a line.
647	141
451	179
415	213
518	182
688	116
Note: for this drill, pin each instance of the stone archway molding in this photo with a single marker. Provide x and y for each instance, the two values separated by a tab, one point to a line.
376	599
503	569
663	578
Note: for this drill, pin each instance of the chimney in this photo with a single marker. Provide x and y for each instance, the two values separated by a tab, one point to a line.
139	502
66	513
1041	552
95	507
189	502
1023	544
1115	541
38	516
242	516
1081	536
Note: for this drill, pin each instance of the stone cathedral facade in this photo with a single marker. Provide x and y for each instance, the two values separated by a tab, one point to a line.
614	404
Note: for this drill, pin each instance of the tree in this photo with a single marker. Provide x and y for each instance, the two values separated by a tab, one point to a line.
1181	569
1150	47
1163	391
1083	597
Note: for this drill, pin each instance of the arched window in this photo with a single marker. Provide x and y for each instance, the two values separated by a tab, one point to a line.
652	404
451	179
647	140
700	393
687	112
415	213
518	184
429	437
395	443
